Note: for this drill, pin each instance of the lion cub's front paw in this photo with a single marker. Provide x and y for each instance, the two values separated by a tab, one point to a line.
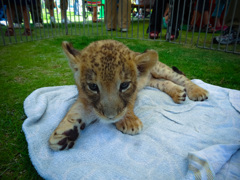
197	93
64	136
178	94
130	125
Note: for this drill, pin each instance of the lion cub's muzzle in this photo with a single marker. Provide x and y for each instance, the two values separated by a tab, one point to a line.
110	107
110	113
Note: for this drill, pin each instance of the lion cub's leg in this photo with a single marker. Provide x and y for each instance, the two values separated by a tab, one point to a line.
178	93
68	130
130	124
194	92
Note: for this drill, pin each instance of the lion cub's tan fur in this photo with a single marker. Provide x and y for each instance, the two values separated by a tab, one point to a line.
108	76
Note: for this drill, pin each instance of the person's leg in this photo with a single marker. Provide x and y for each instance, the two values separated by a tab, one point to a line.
156	16
230	35
76	8
206	13
32	7
110	17
217	12
50	7
197	12
230	15
64	7
55	6
166	10
25	17
124	14
38	12
10	15
176	18
27	31
18	20
220	4
205	17
94	17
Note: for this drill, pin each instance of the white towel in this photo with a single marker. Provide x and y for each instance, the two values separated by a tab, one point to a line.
179	141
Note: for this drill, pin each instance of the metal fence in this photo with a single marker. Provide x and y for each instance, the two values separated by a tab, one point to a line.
209	24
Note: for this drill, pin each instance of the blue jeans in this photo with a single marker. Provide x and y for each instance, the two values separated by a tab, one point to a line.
217	12
76	8
2	10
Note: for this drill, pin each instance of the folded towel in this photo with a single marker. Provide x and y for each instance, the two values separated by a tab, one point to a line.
179	141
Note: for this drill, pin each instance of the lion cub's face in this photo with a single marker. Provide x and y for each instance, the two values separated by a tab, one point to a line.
107	75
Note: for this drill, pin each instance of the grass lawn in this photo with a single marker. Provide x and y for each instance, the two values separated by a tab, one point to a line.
25	67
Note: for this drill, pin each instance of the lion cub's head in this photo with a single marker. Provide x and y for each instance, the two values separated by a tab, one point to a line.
108	75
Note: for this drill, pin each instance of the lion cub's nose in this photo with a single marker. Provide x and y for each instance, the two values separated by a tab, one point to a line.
111	117
110	112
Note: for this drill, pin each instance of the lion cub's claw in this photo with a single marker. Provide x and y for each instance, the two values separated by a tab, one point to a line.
130	126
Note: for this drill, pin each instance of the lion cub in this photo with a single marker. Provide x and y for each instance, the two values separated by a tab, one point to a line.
108	76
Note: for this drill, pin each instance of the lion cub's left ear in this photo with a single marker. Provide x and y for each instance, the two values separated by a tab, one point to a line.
71	54
146	61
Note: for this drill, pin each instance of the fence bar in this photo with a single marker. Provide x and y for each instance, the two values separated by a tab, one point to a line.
39	14
204	44
47	20
1	29
155	20
169	27
23	17
195	18
235	44
224	17
74	16
32	13
200	27
183	13
138	19
9	11
189	16
66	19
144	16
176	26
16	13
163	5
91	23
28	19
102	9
231	26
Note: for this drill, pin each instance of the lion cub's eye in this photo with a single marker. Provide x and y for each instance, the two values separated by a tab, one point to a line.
93	87
124	86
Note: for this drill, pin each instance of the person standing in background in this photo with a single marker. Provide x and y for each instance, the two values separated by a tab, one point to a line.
231	34
118	14
50	4
11	14
94	5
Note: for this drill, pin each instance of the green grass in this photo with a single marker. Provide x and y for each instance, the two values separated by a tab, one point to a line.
27	66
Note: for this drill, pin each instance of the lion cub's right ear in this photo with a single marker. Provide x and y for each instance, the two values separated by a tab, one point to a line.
71	54
146	61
